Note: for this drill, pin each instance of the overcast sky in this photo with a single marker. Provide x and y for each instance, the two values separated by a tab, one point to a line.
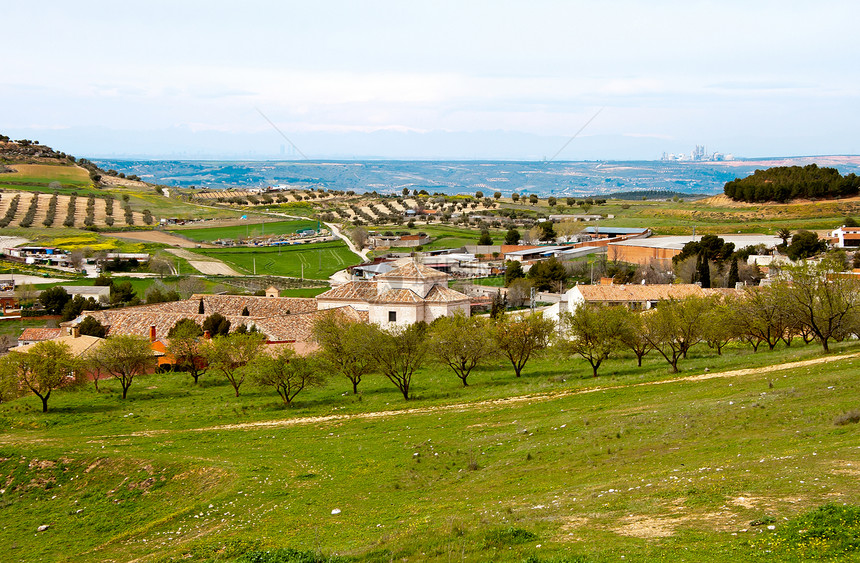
460	79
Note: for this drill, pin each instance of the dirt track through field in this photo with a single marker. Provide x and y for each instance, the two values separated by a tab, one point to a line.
204	264
493	403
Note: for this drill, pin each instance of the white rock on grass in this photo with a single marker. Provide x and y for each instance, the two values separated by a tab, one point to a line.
43	527
335	511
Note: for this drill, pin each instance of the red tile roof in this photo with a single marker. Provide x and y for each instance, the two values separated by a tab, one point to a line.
39	334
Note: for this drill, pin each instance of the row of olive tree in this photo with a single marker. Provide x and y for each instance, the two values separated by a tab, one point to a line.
809	302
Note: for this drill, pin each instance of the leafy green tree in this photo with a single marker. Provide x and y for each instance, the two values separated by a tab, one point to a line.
185	342
515	197
826	306
591	332
462	343
805	244
77	305
720	325
519	338
548	275
288	373
229	355
345	347
512	237
91	327
124	357
513	271
497	195
632	335
399	351
47	366
762	315
54	299
217	325
551	201
486	239
547	231
676	326
122	293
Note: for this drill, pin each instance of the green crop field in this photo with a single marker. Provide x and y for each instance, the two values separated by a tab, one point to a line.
247	230
38	177
314	261
555	466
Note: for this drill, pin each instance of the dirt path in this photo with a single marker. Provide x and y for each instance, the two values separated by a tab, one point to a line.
492	403
204	264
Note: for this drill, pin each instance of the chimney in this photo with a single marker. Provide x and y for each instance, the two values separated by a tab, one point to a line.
207	335
152	333
76	332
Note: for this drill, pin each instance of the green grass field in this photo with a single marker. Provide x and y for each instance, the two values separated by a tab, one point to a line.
633	464
314	261
246	230
38	177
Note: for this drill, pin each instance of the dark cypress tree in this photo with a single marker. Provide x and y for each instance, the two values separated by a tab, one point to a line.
245	311
200	309
704	272
733	278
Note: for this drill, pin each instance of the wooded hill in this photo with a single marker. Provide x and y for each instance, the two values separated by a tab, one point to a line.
785	183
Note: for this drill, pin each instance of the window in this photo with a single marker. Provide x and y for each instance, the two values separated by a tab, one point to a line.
392	316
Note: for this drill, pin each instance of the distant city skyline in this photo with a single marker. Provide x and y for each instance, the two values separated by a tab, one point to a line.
443	80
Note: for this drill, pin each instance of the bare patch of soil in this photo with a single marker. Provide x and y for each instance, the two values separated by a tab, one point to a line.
160	237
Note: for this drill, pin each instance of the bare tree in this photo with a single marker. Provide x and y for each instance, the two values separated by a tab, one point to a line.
189	286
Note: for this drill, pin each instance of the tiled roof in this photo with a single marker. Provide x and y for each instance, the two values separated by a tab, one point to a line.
397	296
78	345
257	306
635	292
413	271
356	290
442	294
39	334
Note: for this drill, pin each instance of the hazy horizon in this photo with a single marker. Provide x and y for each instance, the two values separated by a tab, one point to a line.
477	80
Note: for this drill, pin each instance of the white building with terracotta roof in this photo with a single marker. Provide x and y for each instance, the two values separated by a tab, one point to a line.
406	295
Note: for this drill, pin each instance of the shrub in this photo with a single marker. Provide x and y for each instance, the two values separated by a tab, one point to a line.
850	417
504	537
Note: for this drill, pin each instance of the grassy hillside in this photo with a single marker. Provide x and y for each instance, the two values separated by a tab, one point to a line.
574	469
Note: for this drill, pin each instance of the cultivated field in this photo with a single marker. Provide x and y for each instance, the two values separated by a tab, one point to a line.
75	215
245	229
554	466
313	261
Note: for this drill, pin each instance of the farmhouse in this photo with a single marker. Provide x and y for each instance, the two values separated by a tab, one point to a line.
405	295
846	237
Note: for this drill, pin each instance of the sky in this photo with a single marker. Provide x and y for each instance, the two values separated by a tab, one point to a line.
435	80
